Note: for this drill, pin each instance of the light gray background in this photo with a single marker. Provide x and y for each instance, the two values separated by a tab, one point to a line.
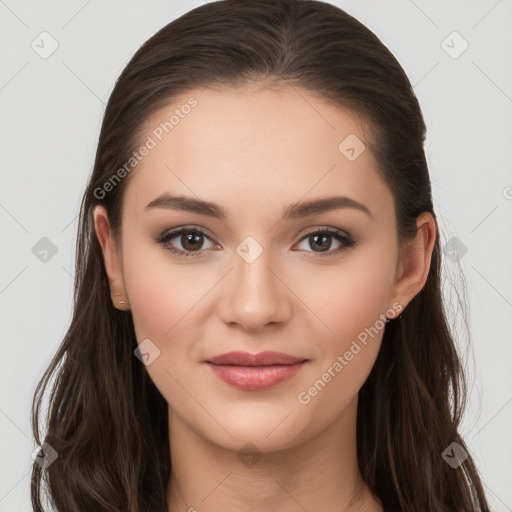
51	111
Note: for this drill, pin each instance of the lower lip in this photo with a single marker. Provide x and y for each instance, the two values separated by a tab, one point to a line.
255	378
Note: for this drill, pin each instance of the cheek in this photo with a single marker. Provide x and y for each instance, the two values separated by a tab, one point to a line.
151	302
162	303
358	301
352	304
352	297
160	293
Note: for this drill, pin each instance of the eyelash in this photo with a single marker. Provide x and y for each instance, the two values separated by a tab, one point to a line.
163	240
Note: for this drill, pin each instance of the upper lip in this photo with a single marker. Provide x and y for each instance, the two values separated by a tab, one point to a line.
236	358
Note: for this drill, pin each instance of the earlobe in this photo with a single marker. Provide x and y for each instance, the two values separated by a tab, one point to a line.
416	258
111	258
118	295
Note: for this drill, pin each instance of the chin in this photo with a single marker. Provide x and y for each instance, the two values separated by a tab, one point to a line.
266	427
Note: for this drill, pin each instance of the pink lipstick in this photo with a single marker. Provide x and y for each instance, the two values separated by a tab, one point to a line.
255	372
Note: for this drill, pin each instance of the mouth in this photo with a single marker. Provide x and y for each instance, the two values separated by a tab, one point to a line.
255	372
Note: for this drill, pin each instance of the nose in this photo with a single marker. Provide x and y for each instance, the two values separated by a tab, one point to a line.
255	295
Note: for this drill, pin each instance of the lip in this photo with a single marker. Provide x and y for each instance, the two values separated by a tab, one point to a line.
255	372
262	359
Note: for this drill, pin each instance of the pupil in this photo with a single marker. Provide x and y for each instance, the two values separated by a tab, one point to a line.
189	240
324	238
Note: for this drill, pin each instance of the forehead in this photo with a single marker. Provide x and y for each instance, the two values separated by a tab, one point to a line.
247	147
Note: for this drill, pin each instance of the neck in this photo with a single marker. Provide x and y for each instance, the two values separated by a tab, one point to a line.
321	473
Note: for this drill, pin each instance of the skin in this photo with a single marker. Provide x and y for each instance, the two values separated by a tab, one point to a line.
254	151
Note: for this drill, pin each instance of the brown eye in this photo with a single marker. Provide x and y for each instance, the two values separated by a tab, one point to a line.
321	241
191	241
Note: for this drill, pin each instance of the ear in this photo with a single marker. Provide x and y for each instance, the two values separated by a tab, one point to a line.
111	258
414	264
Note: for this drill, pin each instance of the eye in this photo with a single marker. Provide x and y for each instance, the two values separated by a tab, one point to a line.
190	239
322	240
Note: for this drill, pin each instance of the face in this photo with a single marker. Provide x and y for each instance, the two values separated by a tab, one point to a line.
315	284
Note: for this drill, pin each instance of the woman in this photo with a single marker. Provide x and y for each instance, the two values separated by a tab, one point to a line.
258	319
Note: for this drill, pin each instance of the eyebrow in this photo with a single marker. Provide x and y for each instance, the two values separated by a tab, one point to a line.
294	211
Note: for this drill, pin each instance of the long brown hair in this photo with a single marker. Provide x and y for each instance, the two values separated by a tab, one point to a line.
107	422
